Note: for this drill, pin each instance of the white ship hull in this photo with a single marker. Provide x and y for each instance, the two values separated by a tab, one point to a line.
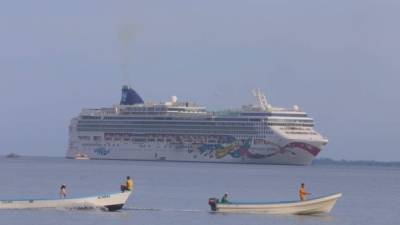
286	154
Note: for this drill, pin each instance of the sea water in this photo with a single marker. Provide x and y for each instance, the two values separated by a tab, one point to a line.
177	193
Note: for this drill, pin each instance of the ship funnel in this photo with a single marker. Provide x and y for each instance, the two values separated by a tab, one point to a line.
130	97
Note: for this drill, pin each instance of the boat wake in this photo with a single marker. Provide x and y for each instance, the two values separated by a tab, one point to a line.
165	210
82	207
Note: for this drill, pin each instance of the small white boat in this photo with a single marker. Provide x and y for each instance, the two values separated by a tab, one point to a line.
312	206
81	156
112	202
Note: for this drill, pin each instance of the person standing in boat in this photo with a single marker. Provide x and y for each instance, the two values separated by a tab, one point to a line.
303	193
63	191
224	198
128	186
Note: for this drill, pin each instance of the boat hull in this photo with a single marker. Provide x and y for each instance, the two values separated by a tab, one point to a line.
313	206
112	202
286	154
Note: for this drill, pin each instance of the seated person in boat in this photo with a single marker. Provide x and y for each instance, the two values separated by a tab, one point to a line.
224	198
63	191
128	186
303	193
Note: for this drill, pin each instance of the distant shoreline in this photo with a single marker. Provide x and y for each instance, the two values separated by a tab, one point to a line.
328	161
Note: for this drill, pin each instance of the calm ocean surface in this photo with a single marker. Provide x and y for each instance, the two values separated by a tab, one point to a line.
177	193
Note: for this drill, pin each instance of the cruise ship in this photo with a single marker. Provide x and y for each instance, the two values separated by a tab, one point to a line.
183	131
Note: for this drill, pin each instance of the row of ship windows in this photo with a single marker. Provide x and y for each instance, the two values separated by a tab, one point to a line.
166	127
99	145
299	132
183	123
169	140
274	114
168	123
290	124
190	122
186	118
144	145
184	126
163	109
158	136
295	128
161	138
169	131
126	141
289	121
168	118
187	124
198	126
238	129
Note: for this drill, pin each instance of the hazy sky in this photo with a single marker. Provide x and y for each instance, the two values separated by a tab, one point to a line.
338	60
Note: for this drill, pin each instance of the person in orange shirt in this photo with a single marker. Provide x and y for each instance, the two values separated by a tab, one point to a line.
303	193
128	185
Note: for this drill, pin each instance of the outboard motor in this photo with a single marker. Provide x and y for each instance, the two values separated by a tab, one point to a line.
213	203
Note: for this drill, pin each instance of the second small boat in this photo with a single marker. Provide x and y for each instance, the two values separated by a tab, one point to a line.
313	206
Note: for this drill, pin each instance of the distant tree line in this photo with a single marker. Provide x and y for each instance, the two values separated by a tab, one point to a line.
328	161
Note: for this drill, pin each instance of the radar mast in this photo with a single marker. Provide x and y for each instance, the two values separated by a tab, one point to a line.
261	99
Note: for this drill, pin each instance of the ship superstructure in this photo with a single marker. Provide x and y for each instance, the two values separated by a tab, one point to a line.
183	131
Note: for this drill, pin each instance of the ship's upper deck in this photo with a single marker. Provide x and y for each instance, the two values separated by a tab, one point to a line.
174	107
175	110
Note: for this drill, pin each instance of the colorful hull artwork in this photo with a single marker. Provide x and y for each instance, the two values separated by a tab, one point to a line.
241	149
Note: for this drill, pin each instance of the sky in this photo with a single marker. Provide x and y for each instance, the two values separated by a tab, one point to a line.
337	60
